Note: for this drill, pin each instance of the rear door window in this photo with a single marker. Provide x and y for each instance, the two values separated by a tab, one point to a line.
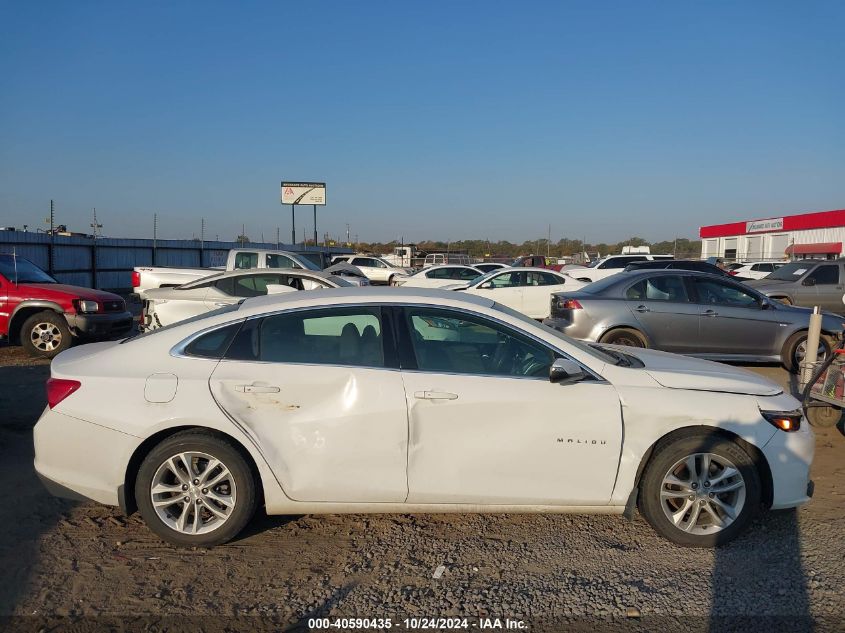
334	336
663	288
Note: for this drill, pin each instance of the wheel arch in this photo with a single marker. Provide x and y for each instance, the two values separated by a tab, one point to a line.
26	309
613	328
763	468
126	492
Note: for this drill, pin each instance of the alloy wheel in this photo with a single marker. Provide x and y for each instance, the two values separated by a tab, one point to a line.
702	493
193	493
801	352
45	337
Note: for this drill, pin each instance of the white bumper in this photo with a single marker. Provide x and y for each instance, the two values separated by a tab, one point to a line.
790	456
84	458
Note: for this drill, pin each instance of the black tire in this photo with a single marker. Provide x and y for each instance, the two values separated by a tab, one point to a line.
45	334
230	457
669	453
789	354
624	336
824	417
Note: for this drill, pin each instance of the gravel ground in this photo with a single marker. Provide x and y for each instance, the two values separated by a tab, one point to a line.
63	563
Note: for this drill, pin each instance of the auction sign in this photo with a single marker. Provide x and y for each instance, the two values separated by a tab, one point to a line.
304	193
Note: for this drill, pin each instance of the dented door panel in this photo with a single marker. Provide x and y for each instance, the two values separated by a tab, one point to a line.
330	433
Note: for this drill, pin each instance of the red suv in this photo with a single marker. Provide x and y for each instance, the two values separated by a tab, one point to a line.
44	316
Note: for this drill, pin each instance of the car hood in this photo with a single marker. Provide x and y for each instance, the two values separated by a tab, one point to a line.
682	372
74	292
763	284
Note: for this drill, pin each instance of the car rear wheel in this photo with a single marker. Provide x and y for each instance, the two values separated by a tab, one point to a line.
795	350
700	490
624	336
45	334
195	490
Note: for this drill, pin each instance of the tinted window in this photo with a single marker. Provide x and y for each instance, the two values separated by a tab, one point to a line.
280	261
439	273
253	285
362	261
548	279
508	280
711	291
214	344
246	260
23	271
337	336
825	275
621	262
452	342
464	274
663	288
226	286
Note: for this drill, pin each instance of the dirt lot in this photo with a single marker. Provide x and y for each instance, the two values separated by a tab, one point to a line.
62	563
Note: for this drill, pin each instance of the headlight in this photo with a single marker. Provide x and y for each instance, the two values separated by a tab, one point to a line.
784	420
83	305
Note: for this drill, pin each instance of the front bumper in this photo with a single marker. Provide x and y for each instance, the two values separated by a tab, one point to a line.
78	459
790	456
100	325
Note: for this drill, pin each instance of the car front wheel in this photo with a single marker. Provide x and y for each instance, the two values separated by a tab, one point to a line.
45	334
700	490
795	350
195	490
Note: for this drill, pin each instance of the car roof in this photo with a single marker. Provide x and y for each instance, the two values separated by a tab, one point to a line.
356	295
528	269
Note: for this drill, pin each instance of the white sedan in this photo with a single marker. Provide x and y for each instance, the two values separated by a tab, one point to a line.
526	290
349	400
438	276
164	306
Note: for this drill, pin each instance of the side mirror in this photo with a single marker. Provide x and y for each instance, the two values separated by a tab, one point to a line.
809	281
566	371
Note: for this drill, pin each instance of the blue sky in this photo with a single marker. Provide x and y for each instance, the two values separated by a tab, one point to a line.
437	120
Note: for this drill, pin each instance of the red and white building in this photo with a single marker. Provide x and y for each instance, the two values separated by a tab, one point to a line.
818	235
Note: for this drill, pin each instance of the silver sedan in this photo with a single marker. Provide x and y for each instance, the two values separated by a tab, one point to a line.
692	313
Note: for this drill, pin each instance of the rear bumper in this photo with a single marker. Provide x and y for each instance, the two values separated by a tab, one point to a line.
100	325
79	460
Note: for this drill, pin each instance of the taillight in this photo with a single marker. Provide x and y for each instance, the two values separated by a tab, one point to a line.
732	272
136	279
60	388
570	304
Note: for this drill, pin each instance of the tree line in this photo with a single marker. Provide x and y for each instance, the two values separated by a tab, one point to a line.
680	247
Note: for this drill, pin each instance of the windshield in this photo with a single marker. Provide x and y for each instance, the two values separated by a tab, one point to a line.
596	262
199	317
314	258
592	351
482	278
792	271
22	271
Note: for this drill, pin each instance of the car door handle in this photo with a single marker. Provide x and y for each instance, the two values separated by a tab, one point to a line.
642	309
435	395
257	388
709	313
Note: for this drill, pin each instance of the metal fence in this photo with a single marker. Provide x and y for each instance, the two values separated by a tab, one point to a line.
107	262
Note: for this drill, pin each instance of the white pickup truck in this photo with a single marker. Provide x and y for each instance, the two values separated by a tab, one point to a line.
149	277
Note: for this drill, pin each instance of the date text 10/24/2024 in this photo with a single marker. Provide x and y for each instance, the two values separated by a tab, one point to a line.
417	623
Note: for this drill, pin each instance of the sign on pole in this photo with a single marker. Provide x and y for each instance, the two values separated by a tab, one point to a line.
304	193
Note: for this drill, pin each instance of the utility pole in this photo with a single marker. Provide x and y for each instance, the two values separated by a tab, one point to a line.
347	235
292	224
96	227
243	234
202	238
155	236
51	257
549	242
277	237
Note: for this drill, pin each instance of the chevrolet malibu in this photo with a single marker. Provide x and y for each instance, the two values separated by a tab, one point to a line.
410	400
